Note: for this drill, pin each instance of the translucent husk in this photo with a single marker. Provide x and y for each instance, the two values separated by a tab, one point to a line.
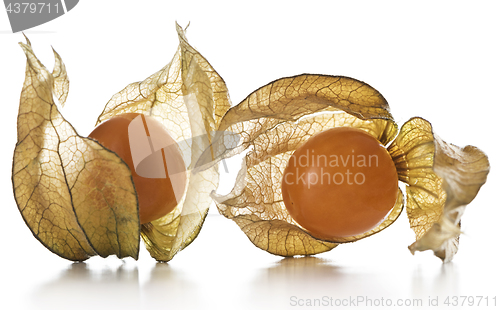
273	122
189	98
77	197
442	180
278	118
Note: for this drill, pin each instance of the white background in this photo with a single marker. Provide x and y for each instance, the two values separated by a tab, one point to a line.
438	60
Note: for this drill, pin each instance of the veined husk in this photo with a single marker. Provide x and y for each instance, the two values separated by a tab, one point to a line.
442	180
272	123
187	96
278	118
77	197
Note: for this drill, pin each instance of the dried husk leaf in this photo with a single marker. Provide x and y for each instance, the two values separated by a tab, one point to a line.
77	197
189	98
442	179
273	122
289	99
61	81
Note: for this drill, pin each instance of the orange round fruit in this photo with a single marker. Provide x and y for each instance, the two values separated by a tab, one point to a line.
340	183
157	166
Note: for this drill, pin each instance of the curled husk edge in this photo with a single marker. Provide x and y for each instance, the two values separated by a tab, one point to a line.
273	121
442	179
189	98
77	197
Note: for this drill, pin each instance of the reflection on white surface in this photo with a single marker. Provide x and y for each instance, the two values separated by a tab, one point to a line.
446	281
210	275
83	287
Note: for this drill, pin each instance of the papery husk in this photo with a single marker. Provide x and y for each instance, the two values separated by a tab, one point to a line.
272	123
189	98
76	196
442	180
